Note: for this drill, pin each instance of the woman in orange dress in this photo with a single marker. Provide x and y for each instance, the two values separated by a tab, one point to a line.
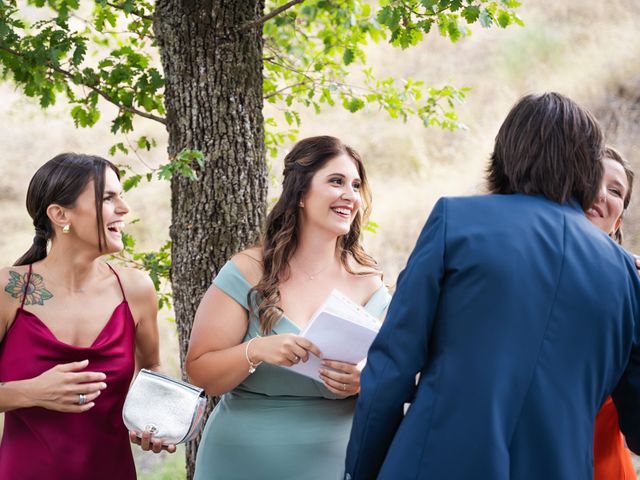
611	458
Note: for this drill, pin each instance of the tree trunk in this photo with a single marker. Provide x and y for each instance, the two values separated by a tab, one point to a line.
213	98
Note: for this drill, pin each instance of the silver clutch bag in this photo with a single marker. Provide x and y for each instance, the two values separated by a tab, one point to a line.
168	408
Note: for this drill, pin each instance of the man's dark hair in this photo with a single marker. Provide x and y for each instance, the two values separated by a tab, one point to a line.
548	145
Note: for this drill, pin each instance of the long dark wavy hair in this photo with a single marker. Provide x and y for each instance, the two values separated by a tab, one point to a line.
281	233
548	145
61	181
613	154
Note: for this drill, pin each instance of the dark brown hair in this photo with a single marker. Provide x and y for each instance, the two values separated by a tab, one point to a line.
61	181
548	145
280	239
613	154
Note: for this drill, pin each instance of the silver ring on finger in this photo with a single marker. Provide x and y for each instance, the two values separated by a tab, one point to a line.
344	387
296	358
82	399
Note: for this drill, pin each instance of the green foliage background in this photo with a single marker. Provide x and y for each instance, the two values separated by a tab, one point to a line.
587	49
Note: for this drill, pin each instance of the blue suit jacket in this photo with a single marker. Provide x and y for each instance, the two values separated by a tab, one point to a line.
521	318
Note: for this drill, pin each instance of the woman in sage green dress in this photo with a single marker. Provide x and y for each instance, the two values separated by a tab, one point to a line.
272	423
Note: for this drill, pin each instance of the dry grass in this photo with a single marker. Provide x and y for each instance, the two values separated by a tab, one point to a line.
587	49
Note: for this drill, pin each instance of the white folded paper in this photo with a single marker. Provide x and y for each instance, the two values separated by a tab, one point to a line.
342	330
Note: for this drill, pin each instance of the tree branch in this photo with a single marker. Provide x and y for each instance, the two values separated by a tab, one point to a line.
288	87
291	68
92	26
100	92
276	11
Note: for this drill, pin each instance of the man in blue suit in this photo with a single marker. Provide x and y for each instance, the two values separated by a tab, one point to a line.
519	315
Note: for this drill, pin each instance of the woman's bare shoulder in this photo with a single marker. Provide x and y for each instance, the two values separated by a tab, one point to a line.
249	262
371	280
13	280
136	283
364	270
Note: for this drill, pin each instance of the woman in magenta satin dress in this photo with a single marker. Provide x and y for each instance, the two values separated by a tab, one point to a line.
72	329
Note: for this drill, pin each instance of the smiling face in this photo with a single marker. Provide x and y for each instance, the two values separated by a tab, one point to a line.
333	198
82	216
606	212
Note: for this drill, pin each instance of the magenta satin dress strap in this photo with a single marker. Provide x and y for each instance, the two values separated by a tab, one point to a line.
43	444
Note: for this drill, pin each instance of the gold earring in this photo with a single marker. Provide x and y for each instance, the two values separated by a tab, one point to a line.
66	228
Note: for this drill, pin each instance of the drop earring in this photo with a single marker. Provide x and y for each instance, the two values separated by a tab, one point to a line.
66	228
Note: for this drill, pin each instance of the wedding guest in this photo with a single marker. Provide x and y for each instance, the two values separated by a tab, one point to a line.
71	328
273	423
611	458
519	316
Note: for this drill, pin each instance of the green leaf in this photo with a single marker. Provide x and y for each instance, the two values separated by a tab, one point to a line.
348	56
143	142
372	226
47	97
288	117
471	13
455	5
389	16
485	18
511	3
430	4
79	116
454	31
182	165
79	53
128	241
353	104
131	182
119	147
504	19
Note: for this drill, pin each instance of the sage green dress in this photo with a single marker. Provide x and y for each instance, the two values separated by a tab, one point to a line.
277	424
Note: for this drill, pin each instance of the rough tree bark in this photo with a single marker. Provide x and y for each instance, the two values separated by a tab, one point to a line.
213	98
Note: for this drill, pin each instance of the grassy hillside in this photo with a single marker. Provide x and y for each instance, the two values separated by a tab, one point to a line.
587	49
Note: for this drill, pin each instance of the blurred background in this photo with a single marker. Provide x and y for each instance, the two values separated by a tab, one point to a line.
586	49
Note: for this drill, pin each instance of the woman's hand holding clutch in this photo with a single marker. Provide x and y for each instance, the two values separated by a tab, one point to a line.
147	442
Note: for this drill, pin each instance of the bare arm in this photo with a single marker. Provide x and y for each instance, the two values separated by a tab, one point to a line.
143	302
217	357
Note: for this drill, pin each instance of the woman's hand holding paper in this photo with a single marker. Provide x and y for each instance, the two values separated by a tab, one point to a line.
284	349
341	378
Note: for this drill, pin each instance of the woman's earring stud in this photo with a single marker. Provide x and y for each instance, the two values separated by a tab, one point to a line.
66	228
